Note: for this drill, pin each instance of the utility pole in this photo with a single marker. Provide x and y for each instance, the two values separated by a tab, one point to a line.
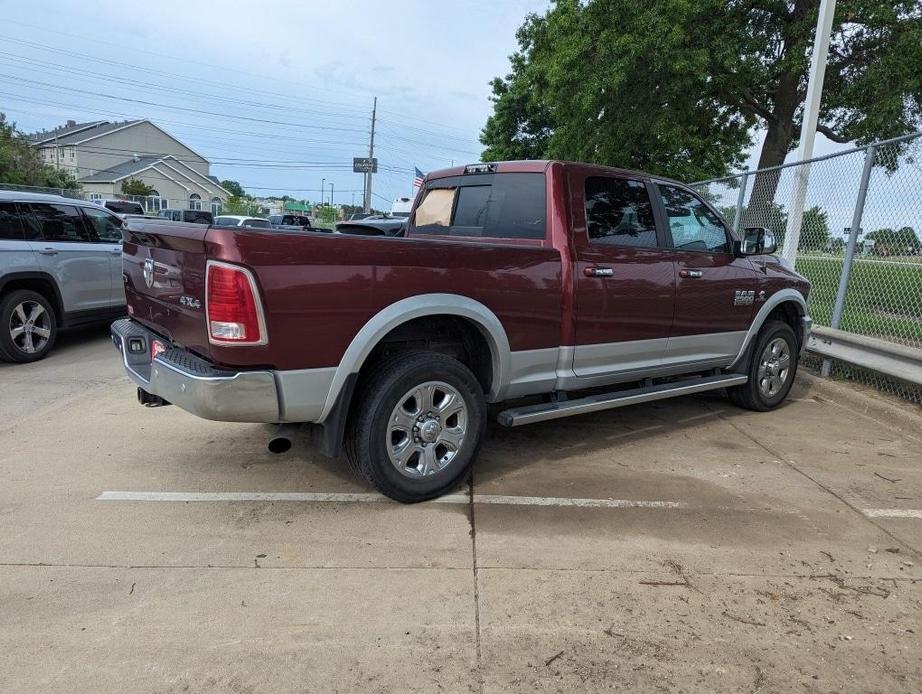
332	204
808	127
323	187
371	155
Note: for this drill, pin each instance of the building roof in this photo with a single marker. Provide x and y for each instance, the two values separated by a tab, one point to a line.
71	135
123	170
64	131
133	167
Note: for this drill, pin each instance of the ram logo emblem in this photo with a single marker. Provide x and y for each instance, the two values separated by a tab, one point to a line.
744	297
148	271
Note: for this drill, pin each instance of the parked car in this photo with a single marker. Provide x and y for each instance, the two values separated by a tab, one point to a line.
290	220
586	287
193	216
374	225
60	267
120	207
236	220
401	207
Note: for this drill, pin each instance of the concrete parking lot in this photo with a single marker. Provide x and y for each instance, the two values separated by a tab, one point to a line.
679	546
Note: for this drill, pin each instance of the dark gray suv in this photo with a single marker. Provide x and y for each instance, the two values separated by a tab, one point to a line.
60	267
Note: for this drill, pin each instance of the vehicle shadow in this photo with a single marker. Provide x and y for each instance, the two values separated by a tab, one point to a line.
561	442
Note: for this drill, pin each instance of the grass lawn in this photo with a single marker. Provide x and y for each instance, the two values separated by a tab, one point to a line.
884	297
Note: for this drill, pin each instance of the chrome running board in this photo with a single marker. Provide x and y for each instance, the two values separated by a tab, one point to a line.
530	414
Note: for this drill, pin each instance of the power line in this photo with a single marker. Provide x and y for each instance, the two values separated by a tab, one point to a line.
147	84
174	107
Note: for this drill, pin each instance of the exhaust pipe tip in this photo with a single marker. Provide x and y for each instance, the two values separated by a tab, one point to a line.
279	444
150	400
283	438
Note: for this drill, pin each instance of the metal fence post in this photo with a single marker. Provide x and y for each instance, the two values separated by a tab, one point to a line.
738	215
869	157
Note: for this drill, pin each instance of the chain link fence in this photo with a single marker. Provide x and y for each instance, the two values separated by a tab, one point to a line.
859	240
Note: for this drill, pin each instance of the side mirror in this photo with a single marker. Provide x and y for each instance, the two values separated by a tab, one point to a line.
757	241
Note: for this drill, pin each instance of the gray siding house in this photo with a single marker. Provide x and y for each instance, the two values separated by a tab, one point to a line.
102	155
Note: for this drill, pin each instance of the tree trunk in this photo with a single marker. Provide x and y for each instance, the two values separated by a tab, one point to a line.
796	34
774	150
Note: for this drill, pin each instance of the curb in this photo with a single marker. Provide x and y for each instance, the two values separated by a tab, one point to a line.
906	418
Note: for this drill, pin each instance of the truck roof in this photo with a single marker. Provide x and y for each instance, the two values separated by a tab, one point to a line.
539	166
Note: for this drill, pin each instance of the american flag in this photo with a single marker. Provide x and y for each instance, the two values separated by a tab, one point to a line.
418	178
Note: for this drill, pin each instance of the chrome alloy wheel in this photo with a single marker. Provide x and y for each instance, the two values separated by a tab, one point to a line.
30	327
426	429
774	367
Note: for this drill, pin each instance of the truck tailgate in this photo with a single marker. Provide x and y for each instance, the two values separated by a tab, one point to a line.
163	267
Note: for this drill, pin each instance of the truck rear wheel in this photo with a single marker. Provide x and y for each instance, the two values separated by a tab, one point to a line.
28	326
771	369
417	426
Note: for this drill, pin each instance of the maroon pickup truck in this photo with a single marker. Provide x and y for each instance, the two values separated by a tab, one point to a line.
584	287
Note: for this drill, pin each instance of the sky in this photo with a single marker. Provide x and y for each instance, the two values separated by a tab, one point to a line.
276	94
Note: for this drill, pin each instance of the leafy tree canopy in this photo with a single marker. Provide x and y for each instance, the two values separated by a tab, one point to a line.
676	87
135	186
234	188
21	164
237	204
897	240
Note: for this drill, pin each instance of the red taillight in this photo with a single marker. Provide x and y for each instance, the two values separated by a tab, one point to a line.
232	307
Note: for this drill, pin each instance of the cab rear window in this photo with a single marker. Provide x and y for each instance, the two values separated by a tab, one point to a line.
504	205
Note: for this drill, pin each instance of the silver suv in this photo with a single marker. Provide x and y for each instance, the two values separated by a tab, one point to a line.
60	266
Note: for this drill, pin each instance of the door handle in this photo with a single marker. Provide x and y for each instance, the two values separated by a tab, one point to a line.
598	272
691	274
48	251
118	252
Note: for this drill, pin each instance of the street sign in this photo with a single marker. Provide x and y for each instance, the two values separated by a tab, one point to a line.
364	165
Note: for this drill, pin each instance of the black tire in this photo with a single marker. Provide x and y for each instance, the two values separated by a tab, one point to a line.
370	434
752	395
14	349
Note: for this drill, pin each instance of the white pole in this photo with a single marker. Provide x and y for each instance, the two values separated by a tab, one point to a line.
808	129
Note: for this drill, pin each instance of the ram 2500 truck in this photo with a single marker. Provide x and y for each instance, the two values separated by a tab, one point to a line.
586	286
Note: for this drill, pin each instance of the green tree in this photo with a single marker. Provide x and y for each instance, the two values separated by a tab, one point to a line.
135	186
814	230
21	164
233	188
621	83
895	241
237	204
675	87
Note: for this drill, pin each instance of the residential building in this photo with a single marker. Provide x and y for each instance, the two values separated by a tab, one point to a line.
102	155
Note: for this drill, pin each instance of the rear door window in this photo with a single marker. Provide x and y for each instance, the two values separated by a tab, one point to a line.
11	226
619	212
107	227
58	222
504	205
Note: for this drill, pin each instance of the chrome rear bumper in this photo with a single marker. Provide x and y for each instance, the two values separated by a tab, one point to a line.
193	384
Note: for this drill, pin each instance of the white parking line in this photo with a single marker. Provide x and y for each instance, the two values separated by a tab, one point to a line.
341	497
893	513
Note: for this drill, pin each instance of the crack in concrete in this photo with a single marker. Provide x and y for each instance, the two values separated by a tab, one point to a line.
789	463
477	644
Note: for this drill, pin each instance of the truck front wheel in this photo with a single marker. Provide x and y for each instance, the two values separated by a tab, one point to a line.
417	426
771	369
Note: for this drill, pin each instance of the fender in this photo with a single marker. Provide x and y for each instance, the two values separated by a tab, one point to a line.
34	275
412	307
779	297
